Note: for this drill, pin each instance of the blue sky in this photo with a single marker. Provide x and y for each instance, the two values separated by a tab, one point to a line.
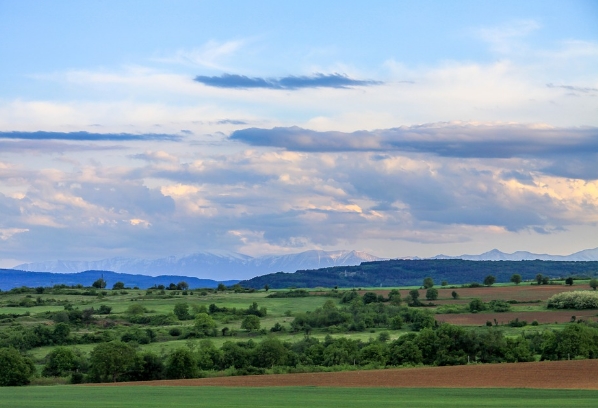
399	128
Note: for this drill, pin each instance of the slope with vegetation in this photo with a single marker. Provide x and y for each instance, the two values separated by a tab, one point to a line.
411	272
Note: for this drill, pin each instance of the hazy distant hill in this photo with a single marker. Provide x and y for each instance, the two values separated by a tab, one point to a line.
403	272
10	278
209	265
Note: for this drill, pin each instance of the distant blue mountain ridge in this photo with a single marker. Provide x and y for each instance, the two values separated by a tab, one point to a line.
11	278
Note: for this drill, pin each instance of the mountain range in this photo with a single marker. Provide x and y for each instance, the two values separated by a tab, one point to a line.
209	265
496	255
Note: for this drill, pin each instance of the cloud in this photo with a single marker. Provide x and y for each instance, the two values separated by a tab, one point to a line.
49	146
504	38
231	122
87	136
583	89
156	157
318	80
210	55
442	139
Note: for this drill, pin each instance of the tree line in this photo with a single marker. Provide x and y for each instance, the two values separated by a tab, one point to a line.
441	345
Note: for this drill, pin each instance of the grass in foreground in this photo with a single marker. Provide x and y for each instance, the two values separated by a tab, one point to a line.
146	396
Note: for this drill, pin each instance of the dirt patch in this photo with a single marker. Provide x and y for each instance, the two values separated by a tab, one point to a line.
479	319
550	374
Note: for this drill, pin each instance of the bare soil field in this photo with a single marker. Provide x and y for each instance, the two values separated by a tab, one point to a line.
548	375
479	319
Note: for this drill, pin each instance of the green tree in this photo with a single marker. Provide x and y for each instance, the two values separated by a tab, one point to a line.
594	283
182	285
569	281
413	298
136	309
61	333
204	325
455	295
118	286
181	310
405	352
516	278
489	280
266	287
428	283
14	368
251	323
270	352
394	297
181	364
61	362
221	287
476	305
396	322
108	361
370	297
99	284
432	294
539	278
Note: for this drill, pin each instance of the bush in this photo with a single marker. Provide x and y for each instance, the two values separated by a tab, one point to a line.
499	306
580	299
175	331
476	305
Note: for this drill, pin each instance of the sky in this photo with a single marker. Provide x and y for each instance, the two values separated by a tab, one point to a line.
411	128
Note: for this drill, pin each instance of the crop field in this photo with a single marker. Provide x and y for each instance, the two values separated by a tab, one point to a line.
161	396
524	292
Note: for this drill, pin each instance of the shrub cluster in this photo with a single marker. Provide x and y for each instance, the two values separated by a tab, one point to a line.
580	299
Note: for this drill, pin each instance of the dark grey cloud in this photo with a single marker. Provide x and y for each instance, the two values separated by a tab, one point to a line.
86	136
231	122
572	88
319	80
463	141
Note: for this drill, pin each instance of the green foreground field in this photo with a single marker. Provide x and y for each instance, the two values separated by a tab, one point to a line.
145	396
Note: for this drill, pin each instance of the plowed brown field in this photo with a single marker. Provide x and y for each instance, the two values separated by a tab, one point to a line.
550	374
480	319
521	293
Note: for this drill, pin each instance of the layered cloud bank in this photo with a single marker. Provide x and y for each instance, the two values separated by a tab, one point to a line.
400	132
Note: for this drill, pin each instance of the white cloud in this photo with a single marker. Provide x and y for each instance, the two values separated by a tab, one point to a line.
209	55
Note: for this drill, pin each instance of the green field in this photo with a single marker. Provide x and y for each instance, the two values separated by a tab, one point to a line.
142	396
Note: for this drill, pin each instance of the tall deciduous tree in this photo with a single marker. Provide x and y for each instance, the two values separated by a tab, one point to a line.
251	323
204	325
432	294
14	368
108	361
516	278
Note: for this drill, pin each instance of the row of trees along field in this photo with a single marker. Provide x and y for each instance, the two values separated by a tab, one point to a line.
117	357
442	344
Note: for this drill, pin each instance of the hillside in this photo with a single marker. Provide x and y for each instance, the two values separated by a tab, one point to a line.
411	272
10	278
